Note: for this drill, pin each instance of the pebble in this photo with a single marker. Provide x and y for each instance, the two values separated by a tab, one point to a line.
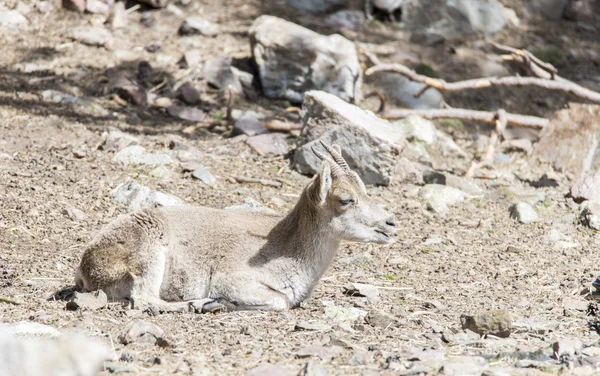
117	140
97	6
361	289
219	73
91	301
76	5
118	16
140	331
524	213
198	25
312	368
12	18
188	93
341	314
138	155
464	365
75	214
590	214
439	197
201	173
269	144
312	326
380	319
187	113
497	323
575	304
136	196
249	125
462	337
93	36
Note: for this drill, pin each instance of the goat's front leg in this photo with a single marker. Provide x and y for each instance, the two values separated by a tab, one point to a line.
249	297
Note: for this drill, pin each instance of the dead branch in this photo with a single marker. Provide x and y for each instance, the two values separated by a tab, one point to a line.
480	83
538	67
270	183
282	126
501	121
464	114
4	299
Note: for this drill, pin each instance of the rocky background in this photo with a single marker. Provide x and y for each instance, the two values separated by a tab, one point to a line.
108	107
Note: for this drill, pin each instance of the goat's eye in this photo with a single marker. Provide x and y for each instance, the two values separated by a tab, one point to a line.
347	201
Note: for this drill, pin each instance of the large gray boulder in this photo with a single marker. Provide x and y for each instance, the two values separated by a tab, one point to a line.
450	19
370	145
292	60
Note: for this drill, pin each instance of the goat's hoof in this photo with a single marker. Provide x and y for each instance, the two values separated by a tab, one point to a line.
213	307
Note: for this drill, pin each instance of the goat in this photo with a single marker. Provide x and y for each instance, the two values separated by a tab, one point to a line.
200	259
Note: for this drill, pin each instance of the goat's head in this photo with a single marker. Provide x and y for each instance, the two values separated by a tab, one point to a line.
340	196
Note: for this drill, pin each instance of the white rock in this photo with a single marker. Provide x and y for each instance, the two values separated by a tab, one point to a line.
12	18
590	214
136	196
439	197
524	213
137	155
417	128
199	25
292	60
370	145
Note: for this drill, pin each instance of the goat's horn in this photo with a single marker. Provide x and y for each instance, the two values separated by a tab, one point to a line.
336	170
337	156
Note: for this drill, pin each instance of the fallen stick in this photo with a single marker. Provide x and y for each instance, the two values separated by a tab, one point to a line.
270	183
501	121
4	299
282	126
464	114
480	83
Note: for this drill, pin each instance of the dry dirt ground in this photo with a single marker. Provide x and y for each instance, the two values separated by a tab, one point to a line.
472	260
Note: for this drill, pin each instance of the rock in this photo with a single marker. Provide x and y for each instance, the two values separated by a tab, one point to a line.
140	331
369	144
97	6
198	25
575	304
292	60
66	355
155	3
586	188
316	6
464	365
361	289
590	214
12	18
188	93
191	58
463	337
465	185
439	197
93	36
125	88
347	19
312	368
138	155
269	144
135	197
567	348
267	369
90	301
409	172
187	113
400	91
58	97
497	323
203	174
118	16
29	329
551	9
326	353
570	142
380	319
312	326
524	213
76	5
117	140
417	129
452	19
75	214
341	314
219	73
249	125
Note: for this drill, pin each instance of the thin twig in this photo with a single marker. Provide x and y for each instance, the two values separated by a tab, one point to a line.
465	114
282	126
485	82
245	179
159	86
381	97
4	299
501	121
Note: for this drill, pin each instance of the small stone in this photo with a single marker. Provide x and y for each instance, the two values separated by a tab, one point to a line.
138	155
380	319
590	214
312	326
439	197
76	5
575	304
524	213
497	323
90	300
188	93
93	36
140	331
267	369
435	305
434	177
136	196
218	72
201	173
163	102
12	18
191	58
249	125
75	214
269	144
97	6
464	365
198	25
341	314
125	88
118	16
567	348
418	129
160	172
117	140
361	289
462	337
312	368
187	113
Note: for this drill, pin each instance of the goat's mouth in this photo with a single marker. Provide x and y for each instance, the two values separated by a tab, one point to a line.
384	237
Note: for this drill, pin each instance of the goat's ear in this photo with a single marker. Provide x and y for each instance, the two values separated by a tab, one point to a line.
323	183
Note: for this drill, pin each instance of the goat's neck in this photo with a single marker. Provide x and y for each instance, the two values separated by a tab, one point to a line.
307	238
